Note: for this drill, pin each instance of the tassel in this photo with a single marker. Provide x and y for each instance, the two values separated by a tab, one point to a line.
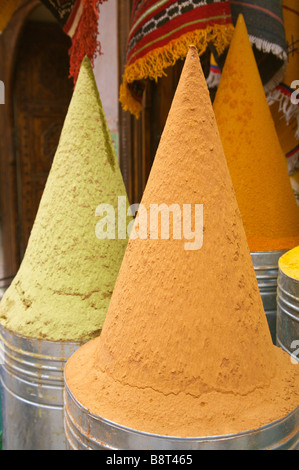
154	64
214	76
293	160
282	95
85	39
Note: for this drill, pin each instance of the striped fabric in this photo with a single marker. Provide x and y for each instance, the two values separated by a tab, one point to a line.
161	33
265	25
67	12
61	9
73	20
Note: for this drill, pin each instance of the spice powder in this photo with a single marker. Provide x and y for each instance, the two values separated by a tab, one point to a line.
256	162
289	263
186	349
64	284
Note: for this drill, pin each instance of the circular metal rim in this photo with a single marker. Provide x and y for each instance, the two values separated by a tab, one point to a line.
286	278
38	344
265	264
175	439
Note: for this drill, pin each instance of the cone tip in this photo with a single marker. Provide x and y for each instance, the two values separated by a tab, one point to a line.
192	51
240	20
86	62
192	48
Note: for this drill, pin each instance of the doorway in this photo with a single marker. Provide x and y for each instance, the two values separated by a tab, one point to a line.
34	65
42	93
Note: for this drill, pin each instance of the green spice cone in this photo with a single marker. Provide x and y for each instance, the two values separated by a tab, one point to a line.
63	287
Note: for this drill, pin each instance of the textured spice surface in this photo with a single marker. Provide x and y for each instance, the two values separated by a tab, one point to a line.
186	349
255	159
64	284
289	263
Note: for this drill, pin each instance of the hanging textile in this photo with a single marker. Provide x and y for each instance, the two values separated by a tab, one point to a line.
284	92
274	34
7	9
161	32
214	76
79	19
284	100
63	10
265	25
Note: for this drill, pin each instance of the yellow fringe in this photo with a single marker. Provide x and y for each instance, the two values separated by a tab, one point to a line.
153	64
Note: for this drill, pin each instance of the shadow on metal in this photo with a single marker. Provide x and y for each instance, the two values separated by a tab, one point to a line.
287	330
265	265
32	377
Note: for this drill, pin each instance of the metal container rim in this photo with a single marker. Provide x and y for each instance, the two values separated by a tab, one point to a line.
268	252
266	260
36	342
286	277
177	438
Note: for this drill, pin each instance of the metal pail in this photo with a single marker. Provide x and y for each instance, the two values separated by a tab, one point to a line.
85	431
0	412
287	334
32	376
4	284
266	270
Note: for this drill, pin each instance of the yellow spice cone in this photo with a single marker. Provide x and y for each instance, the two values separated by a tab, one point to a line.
255	159
186	349
63	287
289	263
7	9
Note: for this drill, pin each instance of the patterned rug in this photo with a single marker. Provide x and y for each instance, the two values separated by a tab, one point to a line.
161	32
61	9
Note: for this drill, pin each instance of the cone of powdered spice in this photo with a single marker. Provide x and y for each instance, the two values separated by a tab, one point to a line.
256	162
185	349
289	263
63	286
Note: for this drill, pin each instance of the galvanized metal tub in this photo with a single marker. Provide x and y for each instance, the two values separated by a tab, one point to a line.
265	265
287	331
32	376
4	284
85	431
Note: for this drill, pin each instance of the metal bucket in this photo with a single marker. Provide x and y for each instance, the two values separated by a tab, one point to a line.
287	335
4	284
85	431
0	421
32	376
266	270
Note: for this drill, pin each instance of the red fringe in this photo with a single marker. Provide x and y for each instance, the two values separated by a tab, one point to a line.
85	40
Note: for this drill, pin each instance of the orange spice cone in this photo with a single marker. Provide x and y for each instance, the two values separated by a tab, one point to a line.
185	349
255	159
